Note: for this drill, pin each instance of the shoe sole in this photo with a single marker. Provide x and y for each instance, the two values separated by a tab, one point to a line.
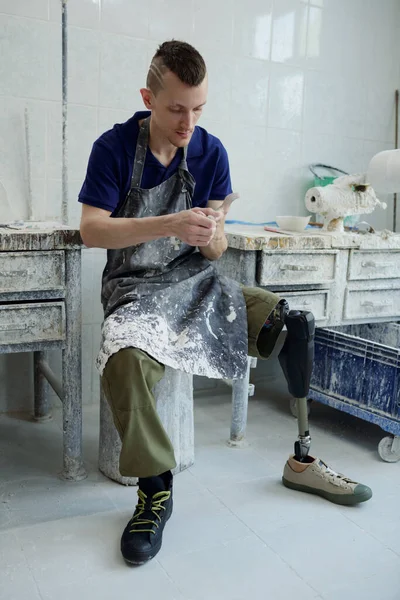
144	558
343	499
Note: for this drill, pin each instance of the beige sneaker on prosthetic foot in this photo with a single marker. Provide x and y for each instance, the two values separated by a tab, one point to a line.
315	477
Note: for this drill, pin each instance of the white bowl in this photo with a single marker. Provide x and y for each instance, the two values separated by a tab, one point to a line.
293	223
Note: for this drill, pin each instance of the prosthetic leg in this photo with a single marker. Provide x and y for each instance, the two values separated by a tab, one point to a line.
302	472
296	359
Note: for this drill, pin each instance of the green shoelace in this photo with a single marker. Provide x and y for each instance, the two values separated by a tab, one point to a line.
156	507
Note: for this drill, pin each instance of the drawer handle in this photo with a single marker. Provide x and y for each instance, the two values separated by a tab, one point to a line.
12	327
299	268
370	304
13	273
370	264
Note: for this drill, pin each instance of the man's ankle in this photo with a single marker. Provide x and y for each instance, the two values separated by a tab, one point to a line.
162	480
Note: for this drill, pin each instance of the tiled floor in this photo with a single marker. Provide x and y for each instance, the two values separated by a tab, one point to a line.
236	532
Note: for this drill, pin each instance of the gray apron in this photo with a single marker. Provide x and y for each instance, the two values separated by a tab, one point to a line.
164	297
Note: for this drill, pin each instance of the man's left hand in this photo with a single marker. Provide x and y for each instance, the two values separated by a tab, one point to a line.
218	243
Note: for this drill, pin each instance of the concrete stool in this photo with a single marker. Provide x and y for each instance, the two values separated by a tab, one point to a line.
174	397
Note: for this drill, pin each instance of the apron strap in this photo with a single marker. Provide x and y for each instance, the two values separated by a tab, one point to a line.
183	164
186	177
140	155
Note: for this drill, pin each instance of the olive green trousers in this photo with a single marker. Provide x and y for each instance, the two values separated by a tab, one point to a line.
130	376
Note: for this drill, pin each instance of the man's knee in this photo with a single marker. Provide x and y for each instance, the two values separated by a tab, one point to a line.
129	362
261	306
129	377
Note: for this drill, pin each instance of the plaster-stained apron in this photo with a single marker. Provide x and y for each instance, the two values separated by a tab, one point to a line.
164	297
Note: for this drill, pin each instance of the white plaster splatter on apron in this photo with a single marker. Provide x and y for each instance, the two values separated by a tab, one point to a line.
210	310
164	297
232	314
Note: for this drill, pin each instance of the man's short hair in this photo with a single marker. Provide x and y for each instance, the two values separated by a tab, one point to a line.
180	58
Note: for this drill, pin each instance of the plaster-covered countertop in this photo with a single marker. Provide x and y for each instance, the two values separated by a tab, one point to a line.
43	236
254	237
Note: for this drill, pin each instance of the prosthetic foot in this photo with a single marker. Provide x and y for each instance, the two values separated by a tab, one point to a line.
302	472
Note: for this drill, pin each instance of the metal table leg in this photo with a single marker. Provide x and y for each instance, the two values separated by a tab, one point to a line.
241	390
42	409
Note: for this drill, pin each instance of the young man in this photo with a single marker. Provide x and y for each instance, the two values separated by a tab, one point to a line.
162	180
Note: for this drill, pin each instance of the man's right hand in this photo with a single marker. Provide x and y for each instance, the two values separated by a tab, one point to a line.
194	227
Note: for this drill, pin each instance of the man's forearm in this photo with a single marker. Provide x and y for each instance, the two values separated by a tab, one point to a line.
218	244
215	249
115	233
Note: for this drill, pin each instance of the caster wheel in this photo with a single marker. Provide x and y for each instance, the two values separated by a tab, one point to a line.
389	449
293	407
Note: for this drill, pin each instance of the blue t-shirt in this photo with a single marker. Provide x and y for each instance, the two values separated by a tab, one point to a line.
109	171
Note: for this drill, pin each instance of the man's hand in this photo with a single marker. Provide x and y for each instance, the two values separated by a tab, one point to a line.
218	244
195	227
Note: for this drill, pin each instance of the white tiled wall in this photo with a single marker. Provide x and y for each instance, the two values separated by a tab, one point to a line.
291	82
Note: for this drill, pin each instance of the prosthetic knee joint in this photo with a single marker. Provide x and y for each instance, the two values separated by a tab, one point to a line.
296	359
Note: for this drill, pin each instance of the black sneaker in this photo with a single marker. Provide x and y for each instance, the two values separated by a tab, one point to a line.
142	537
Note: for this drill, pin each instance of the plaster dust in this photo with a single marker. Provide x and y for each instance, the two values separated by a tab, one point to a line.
380	240
254	237
176	243
185	350
182	340
232	315
34	225
210	310
116	334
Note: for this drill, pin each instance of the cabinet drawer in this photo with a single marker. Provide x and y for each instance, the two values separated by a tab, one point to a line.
294	268
316	302
31	271
24	323
373	265
361	304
